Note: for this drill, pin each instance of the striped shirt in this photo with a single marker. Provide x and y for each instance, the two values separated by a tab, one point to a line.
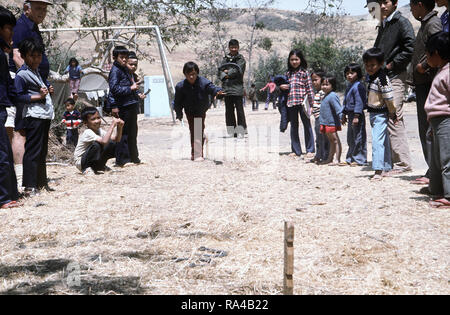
318	97
300	86
380	95
72	120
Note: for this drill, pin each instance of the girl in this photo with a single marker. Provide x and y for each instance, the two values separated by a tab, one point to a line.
330	120
300	89
322	143
75	72
354	101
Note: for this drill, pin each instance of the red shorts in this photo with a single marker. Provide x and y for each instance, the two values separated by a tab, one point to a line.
329	129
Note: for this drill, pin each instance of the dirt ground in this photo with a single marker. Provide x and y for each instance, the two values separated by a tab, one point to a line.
172	226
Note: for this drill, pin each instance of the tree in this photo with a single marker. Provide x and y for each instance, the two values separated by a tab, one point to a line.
265	43
272	65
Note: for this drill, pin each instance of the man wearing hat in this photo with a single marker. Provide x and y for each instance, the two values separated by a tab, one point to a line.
34	13
396	40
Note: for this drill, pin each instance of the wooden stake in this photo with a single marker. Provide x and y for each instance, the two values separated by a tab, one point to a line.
288	283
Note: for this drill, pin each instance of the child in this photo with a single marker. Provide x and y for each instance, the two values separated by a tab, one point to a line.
380	105
192	95
96	146
231	74
322	143
300	88
123	91
282	100
72	120
253	97
8	181
354	103
438	112
75	72
330	120
420	74
37	115
270	87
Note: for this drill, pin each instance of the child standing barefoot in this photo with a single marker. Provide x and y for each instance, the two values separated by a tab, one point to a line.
330	120
322	143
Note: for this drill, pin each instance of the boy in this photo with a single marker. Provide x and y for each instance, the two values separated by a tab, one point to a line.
231	73
96	146
253	97
437	108
123	91
72	120
37	114
8	181
380	105
420	74
192	95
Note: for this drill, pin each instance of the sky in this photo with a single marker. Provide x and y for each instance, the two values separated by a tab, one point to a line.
353	7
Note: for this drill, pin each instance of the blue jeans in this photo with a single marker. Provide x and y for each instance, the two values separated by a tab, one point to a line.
381	147
295	139
322	143
357	140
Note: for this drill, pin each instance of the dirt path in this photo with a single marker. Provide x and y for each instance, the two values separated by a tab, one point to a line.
172	226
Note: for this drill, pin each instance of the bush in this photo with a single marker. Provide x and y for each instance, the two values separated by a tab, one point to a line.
323	53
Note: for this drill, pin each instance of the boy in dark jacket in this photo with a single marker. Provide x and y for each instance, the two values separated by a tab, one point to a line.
8	181
192	95
231	73
123	91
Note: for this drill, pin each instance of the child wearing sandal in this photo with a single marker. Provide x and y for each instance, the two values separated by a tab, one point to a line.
354	102
380	105
437	108
330	120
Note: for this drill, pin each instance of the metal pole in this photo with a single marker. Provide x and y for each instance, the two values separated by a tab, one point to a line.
166	69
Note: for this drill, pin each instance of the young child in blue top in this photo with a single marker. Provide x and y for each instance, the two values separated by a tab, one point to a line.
192	95
37	113
75	72
8	181
125	102
322	143
354	103
330	120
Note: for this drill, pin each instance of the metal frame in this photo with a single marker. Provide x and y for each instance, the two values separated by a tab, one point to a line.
162	54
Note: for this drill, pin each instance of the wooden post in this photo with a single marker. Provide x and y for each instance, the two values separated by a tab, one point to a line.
288	283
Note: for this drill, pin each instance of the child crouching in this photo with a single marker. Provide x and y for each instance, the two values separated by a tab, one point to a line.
96	146
192	95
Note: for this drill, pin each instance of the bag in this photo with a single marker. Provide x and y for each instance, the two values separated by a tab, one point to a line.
305	105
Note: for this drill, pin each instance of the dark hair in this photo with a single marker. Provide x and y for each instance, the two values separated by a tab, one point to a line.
29	46
394	2
70	101
6	17
299	54
120	50
439	43
73	59
88	110
319	72
253	85
189	67
374	53
132	55
354	67
331	80
428	4
233	42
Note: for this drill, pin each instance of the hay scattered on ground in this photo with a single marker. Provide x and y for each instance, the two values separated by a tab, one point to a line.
172	226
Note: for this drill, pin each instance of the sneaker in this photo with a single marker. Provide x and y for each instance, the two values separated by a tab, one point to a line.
31	192
240	136
199	159
88	172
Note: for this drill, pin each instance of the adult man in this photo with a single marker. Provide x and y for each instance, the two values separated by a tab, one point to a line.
231	73
396	40
34	13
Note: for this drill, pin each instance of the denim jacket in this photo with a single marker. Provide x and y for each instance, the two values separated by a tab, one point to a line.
330	110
